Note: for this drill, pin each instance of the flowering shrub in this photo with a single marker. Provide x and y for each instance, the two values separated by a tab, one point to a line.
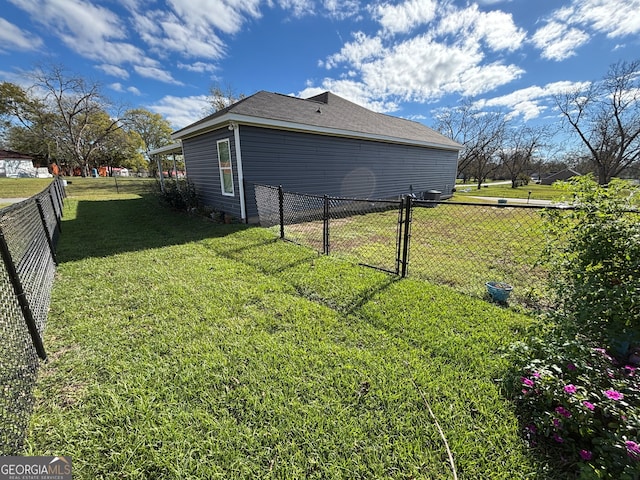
582	406
593	253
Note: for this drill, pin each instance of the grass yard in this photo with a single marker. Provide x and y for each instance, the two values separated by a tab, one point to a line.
180	348
538	192
458	245
22	187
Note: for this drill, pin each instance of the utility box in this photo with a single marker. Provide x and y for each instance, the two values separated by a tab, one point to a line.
432	196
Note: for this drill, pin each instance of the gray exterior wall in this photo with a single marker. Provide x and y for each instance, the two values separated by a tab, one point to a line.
344	167
317	164
201	158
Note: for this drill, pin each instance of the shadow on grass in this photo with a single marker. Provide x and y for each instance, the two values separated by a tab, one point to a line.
102	228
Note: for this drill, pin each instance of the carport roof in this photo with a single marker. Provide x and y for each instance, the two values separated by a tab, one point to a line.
324	114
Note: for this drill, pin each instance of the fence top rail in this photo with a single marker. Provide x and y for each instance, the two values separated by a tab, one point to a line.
345	199
370	200
498	205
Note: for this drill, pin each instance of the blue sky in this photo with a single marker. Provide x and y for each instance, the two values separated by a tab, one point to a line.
405	58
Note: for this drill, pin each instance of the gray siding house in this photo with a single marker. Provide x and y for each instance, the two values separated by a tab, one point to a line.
319	145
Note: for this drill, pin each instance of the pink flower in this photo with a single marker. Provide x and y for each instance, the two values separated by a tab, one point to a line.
535	375
563	411
589	405
527	381
531	428
556	423
629	370
570	389
613	395
558	438
633	449
586	455
571	366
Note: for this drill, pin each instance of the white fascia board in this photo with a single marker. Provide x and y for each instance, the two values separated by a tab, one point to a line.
300	127
172	148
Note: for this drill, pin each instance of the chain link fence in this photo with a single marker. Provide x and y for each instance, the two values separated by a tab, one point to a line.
462	245
466	245
29	231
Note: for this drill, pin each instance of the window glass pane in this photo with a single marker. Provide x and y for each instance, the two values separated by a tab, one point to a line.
224	155
227	181
225	168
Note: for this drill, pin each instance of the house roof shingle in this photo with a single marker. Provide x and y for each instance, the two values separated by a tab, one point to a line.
325	113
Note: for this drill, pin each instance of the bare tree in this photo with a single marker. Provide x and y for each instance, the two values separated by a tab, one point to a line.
481	133
76	106
221	97
519	150
606	118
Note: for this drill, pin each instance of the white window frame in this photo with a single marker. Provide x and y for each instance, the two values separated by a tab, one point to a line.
224	169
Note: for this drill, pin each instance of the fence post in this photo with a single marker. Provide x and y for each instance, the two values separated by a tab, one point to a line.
406	235
325	226
281	210
399	235
21	296
58	217
47	235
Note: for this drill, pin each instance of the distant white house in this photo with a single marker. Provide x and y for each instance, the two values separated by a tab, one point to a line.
18	165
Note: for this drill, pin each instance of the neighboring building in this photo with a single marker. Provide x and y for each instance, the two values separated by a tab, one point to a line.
319	145
565	174
14	165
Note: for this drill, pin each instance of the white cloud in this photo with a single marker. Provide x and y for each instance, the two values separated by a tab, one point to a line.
404	17
92	31
565	29
199	67
299	8
496	29
165	31
449	56
114	70
558	41
181	111
530	102
341	9
117	86
13	37
353	91
156	73
356	53
615	18
205	15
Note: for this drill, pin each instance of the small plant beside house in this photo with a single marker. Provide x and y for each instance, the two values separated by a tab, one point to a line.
578	387
180	194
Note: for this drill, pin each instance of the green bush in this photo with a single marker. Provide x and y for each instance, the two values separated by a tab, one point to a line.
594	255
577	385
180	194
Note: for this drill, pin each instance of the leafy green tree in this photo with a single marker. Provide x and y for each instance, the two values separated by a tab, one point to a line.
25	123
153	130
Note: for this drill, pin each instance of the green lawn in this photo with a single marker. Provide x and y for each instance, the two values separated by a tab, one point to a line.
22	187
538	192
180	348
